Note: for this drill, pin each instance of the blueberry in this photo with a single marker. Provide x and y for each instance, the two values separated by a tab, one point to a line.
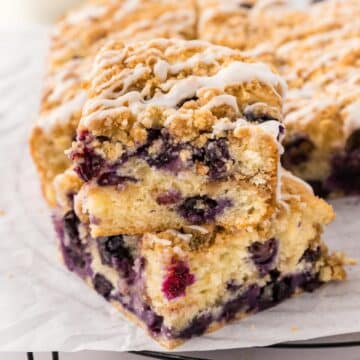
215	155
153	321
102	285
196	327
252	116
246	301
298	150
264	254
311	255
275	292
183	101
345	173
113	247
169	197
319	188
71	224
88	165
177	280
103	138
166	156
353	142
232	286
113	179
246	5
202	209
74	251
74	259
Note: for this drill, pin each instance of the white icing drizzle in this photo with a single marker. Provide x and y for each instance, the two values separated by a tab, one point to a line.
226	125
234	73
271	127
220	100
88	12
63	113
315	41
347	46
306	113
161	70
128	7
173	22
352	118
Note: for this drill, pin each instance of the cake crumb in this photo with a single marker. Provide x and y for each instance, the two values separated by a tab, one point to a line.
294	328
2	212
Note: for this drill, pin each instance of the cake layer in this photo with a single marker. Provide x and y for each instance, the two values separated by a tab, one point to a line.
181	283
177	133
75	40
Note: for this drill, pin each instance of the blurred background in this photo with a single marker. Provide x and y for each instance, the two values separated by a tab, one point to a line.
33	11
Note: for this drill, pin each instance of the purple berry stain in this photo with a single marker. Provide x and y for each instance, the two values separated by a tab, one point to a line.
168	197
178	278
113	179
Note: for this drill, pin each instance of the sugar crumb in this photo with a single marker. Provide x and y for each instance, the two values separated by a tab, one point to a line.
294	328
9	275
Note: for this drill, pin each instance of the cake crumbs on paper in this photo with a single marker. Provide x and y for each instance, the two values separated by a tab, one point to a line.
9	275
252	327
294	328
2	212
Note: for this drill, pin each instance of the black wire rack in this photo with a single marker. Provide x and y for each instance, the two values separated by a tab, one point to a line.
169	356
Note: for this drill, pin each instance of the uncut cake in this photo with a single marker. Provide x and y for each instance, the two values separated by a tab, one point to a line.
315	45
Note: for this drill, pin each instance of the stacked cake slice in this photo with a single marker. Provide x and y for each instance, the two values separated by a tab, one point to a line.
177	133
176	209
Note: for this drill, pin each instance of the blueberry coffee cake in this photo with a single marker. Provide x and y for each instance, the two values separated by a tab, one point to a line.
74	42
177	133
182	283
161	152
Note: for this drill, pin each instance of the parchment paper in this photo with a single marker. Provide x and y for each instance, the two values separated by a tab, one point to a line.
43	307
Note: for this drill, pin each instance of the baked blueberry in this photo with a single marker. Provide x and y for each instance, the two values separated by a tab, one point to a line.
202	209
264	254
112	179
298	150
102	285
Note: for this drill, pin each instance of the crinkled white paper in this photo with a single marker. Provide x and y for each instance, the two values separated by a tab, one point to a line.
44	307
